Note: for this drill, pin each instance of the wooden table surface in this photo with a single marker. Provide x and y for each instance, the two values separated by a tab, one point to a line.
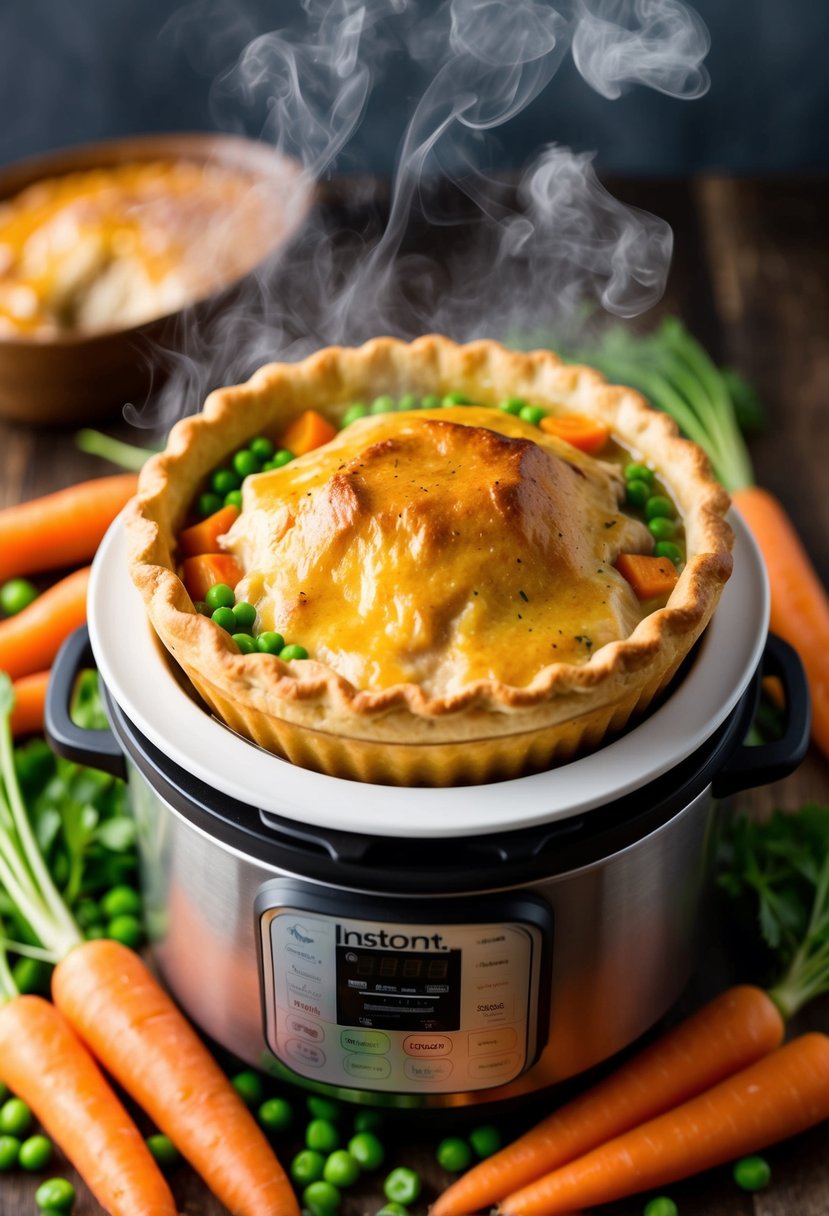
751	280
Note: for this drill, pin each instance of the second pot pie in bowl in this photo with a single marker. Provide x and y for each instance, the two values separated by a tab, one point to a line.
477	596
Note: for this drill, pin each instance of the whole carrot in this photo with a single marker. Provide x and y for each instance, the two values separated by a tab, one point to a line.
29	701
782	1094
129	1023
45	1064
30	640
61	529
738	1027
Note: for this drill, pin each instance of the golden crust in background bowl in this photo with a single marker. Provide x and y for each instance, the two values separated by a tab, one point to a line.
406	734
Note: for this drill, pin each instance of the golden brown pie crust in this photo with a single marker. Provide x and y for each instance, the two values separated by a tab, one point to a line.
487	730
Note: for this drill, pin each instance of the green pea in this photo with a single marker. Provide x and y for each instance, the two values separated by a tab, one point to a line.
225	480
322	1135
307	1166
638	472
402	1185
454	1154
659	507
393	1209
637	493
121	901
35	1153
281	458
293	652
368	1121
17	594
341	1169
667	548
245	642
366	1150
9	1153
209	504
485	1140
383	405
86	911
164	1152
225	619
661	528
32	975
321	1198
356	410
407	402
127	930
203	608
430	402
249	1086
15	1117
245	463
219	596
276	1114
454	398
270	642
661	1206
752	1173
245	614
532	414
55	1193
322	1108
262	448
234	499
513	405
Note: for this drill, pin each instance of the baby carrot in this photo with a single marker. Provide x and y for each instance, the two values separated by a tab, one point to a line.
61	529
46	1065
738	1027
124	1016
30	640
782	1094
29	700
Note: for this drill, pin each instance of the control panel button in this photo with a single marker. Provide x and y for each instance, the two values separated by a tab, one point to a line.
368	1068
427	1070
427	1045
498	1068
309	1031
488	1042
373	1042
305	1053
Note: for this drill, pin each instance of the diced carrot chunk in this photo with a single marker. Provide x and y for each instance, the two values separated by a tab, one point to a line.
205	569
310	430
650	577
583	433
204	537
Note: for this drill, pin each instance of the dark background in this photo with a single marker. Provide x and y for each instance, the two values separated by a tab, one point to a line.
89	69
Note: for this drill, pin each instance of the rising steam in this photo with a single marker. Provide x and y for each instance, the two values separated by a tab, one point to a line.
529	258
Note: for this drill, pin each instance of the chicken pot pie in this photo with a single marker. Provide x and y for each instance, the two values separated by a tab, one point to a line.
477	596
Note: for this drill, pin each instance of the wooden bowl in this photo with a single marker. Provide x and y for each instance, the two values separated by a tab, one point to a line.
72	378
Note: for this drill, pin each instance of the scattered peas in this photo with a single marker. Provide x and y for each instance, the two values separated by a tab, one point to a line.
321	1198
94	933
402	1185
17	594
667	548
356	410
368	1121
661	528
661	1206
125	929
245	463
262	448
532	414
234	499
513	405
485	1140
659	507
225	480
293	652
366	1150
341	1169
225	619
120	901
164	1152
752	1173
383	405
638	492
219	596
249	1086
245	642
322	1135
55	1193
245	614
430	402
209	504
322	1108
281	458
270	642
276	1114
407	402
638	472
35	1153
15	1117
454	398
393	1209
307	1166
9	1152
454	1154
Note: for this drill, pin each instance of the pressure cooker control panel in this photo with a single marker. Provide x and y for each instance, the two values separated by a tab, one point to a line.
380	1002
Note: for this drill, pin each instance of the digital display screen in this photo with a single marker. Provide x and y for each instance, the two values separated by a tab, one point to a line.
388	990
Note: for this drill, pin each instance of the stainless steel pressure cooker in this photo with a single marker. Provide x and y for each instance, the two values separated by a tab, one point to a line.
432	947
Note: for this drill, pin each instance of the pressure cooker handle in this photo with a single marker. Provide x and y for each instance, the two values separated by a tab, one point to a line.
751	766
96	748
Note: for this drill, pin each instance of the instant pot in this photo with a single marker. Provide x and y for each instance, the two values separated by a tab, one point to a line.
432	947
